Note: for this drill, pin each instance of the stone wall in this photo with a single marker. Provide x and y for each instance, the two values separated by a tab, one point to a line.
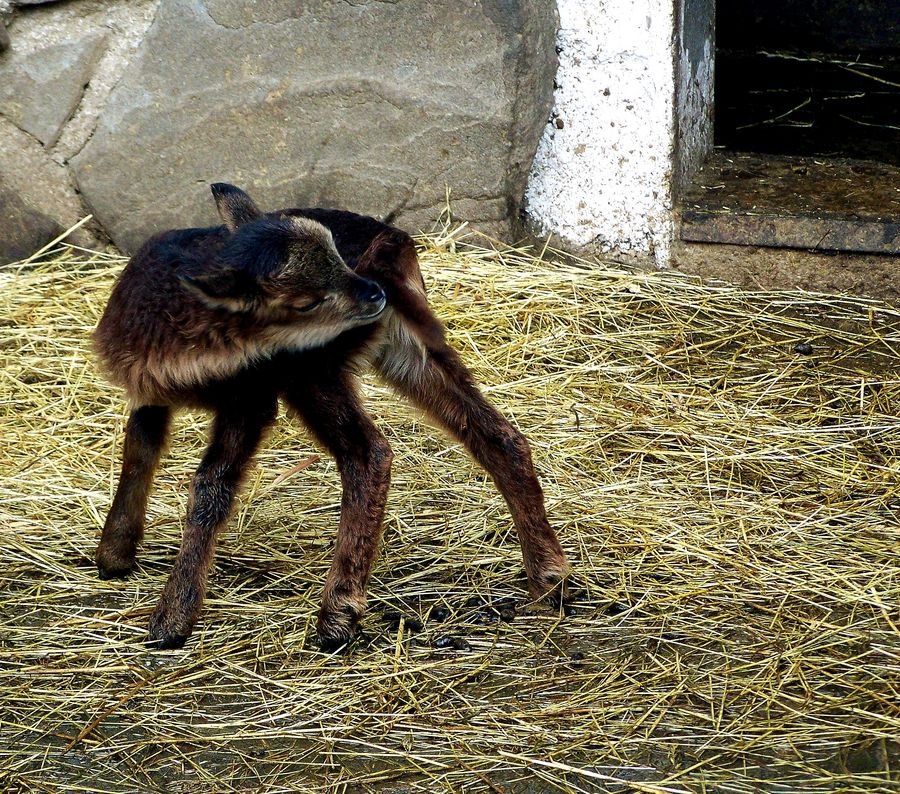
56	76
129	108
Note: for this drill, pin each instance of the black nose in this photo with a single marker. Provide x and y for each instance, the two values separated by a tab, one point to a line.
370	292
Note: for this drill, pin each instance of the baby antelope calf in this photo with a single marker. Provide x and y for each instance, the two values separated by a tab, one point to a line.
290	304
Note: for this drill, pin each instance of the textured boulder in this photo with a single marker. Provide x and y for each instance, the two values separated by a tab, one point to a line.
39	199
25	229
376	107
40	90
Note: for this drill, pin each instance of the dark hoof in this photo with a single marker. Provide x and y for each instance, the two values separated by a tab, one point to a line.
114	573
336	629
113	563
168	631
167	642
553	589
334	644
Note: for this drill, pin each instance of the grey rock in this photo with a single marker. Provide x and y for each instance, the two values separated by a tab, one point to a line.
40	90
28	171
4	37
25	229
375	107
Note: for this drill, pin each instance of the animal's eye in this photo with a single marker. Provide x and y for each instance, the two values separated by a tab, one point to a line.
309	306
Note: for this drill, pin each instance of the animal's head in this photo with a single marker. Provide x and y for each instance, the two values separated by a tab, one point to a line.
284	271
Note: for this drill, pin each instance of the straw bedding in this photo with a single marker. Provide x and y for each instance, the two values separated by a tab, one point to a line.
730	504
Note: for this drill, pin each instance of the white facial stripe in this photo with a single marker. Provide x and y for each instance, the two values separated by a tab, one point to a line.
314	229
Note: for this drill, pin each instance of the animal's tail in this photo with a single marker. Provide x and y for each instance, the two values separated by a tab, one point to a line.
391	260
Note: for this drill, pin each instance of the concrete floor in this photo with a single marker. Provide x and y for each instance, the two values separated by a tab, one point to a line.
871	275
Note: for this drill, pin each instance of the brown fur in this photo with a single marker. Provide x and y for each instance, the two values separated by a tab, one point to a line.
189	324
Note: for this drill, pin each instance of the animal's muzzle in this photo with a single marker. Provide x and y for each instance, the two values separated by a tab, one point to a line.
371	298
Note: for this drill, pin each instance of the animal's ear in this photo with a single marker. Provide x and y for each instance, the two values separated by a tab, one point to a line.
235	207
381	257
227	288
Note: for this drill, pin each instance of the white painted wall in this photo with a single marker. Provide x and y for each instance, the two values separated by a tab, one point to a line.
604	181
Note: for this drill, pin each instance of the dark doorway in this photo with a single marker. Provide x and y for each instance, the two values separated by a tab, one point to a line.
807	127
809	77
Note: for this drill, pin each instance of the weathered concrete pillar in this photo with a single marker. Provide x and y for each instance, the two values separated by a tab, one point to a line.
632	121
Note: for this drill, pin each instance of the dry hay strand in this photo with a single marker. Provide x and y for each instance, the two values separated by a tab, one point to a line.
730	505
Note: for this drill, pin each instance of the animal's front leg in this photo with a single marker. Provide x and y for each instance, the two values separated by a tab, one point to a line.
236	434
332	411
145	437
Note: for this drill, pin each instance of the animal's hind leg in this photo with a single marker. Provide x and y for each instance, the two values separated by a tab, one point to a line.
236	433
436	380
145	437
332	411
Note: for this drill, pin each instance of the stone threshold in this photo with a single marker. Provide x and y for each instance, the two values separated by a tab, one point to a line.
812	203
